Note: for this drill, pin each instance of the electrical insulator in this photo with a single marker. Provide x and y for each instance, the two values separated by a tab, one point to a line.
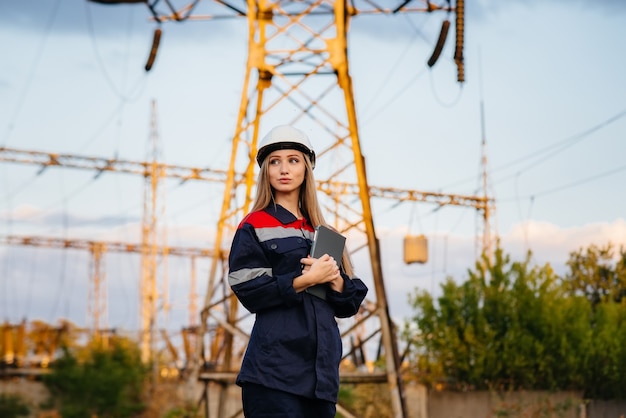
458	52
443	35
156	39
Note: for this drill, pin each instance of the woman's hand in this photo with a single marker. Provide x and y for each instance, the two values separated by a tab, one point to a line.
320	270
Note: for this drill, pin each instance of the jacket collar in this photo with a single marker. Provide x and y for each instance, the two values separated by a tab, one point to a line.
280	213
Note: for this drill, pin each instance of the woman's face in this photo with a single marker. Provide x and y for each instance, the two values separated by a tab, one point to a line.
286	170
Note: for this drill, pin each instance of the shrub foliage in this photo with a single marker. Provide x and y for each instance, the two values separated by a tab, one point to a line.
12	406
99	381
512	325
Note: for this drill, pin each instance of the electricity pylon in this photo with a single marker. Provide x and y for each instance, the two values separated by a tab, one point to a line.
97	301
147	169
297	72
149	225
97	292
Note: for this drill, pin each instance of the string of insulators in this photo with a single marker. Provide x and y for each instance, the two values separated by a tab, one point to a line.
156	39
458	52
443	35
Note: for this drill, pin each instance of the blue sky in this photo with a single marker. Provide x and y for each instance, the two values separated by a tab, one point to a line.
549	73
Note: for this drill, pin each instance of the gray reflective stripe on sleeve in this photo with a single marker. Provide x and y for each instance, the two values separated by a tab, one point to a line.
265	234
308	234
245	275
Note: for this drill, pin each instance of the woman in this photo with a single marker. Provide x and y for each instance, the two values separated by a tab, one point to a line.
291	366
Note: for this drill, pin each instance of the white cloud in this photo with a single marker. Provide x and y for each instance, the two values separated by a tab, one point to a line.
21	212
453	255
551	243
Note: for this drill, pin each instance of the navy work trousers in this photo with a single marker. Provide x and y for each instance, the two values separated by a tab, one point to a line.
262	402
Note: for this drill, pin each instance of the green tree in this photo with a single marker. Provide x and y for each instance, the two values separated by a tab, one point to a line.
605	377
594	273
599	274
101	381
12	406
508	326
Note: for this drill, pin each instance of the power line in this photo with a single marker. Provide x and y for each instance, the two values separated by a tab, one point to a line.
560	146
582	181
31	72
394	67
556	148
569	185
11	125
135	91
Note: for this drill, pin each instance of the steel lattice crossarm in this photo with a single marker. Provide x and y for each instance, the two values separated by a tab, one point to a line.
143	168
119	247
97	293
191	9
298	68
481	203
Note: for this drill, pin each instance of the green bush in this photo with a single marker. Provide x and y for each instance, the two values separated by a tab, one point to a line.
514	326
187	411
12	406
107	382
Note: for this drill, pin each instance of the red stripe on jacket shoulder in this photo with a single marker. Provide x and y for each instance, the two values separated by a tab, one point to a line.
260	219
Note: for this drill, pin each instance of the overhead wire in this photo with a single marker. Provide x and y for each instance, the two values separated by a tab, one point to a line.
6	297
129	267
119	110
558	147
572	184
134	92
20	188
404	88
62	274
524	221
569	141
553	190
31	72
394	67
561	146
8	267
395	97
132	207
31	281
483	179
439	46
565	144
116	112
15	191
65	199
439	100
7	264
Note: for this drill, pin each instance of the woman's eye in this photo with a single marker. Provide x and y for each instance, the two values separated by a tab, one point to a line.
274	162
294	160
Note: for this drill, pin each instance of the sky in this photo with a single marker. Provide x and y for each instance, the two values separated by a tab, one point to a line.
548	76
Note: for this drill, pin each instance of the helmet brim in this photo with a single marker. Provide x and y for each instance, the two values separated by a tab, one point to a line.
268	149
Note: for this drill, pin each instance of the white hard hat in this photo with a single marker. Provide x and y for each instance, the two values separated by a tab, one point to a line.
285	137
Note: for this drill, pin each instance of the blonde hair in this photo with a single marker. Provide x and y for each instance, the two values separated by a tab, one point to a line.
307	201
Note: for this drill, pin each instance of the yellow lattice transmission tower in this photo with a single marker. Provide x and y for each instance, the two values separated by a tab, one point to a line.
297	72
98	295
149	239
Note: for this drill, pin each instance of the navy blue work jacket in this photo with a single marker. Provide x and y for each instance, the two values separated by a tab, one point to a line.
295	344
